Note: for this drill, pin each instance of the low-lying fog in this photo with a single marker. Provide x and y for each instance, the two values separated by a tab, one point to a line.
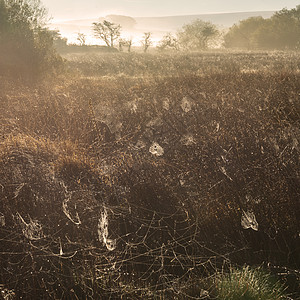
135	27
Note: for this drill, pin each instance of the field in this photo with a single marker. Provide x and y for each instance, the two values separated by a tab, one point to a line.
151	176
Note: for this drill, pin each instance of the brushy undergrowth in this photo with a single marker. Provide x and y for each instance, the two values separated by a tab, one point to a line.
136	187
182	64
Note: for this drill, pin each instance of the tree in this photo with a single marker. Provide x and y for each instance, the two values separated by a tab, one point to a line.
125	43
107	31
281	31
286	29
242	35
60	43
168	41
81	38
146	41
20	18
3	18
128	44
197	35
26	46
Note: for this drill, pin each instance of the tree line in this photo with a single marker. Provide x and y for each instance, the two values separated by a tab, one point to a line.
281	31
197	35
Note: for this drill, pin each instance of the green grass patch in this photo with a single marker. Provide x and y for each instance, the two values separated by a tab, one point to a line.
249	284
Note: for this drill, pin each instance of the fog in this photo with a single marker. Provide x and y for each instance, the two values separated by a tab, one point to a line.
158	26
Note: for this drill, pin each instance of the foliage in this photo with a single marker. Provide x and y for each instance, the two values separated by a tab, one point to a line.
281	31
59	42
248	284
26	46
107	31
29	12
242	35
197	35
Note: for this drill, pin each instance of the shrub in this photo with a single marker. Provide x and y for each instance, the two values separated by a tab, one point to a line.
26	46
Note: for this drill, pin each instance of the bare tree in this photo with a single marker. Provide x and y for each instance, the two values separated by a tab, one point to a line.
146	41
81	38
168	41
129	44
125	43
107	31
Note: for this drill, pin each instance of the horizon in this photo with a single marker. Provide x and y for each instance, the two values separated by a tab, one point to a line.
158	26
66	19
166	16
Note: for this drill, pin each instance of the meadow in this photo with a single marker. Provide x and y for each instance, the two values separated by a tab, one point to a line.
152	176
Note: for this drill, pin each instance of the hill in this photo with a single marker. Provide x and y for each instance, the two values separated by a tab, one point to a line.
224	20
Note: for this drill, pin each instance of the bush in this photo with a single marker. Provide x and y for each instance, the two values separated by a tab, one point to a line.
26	46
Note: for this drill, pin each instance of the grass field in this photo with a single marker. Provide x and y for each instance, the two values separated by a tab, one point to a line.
152	176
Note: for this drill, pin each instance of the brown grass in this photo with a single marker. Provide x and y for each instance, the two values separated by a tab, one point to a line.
79	148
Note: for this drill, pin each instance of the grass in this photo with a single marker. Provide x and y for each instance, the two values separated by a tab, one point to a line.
181	64
73	147
249	284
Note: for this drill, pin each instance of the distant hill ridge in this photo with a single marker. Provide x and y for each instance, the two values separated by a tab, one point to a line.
221	19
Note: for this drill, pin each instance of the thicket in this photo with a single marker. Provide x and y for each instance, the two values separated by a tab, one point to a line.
281	31
26	45
143	187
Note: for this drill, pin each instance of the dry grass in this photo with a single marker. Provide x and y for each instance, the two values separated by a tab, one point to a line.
80	151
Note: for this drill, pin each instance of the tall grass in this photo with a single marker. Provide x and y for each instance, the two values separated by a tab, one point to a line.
249	284
80	152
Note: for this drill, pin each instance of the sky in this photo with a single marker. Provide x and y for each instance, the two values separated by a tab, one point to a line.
83	9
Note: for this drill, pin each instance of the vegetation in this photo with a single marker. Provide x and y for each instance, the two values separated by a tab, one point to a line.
125	43
140	180
168	42
146	41
144	176
248	284
281	31
197	35
107	31
26	46
81	38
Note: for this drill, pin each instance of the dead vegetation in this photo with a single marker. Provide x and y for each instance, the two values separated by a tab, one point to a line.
133	186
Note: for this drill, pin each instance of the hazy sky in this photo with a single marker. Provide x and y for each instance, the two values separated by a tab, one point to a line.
81	9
